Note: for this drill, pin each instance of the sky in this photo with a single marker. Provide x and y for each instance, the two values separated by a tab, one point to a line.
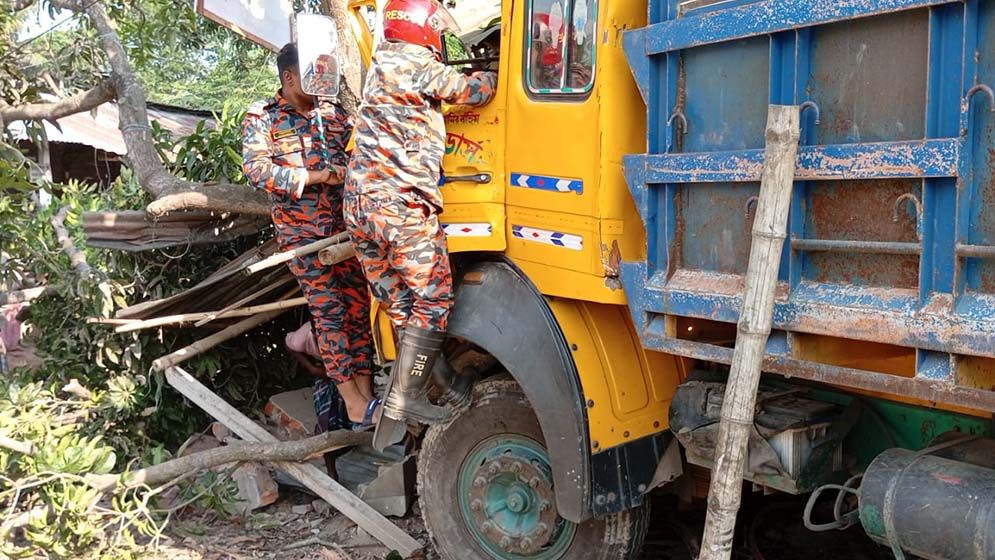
39	21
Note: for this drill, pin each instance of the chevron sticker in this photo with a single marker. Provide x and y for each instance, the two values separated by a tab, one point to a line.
545	236
467	230
543	183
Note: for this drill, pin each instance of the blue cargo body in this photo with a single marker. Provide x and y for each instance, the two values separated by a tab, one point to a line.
892	225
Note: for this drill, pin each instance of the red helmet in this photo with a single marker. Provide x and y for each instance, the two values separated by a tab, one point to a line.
420	22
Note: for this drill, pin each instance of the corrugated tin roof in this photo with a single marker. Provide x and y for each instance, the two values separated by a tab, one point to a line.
100	130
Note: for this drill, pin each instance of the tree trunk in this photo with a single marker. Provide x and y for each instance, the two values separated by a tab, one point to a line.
352	77
171	192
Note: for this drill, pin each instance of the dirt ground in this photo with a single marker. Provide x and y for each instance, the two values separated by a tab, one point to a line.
771	530
290	528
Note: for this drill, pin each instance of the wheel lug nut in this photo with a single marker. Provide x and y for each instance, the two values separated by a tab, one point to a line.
479	482
476	505
544	506
534	483
516	467
493	469
487	527
542	527
525	543
505	542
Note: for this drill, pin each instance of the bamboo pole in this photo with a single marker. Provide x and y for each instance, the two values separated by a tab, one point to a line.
251	297
209	342
288	256
191	317
769	231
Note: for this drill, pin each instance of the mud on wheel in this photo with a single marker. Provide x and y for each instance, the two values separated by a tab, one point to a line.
486	489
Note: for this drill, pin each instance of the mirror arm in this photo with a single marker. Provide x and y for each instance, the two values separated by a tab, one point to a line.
481	60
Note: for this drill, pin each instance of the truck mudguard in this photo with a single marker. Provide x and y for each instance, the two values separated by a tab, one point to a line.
498	309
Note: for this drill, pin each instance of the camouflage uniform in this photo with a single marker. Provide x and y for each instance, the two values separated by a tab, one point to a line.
280	145
392	191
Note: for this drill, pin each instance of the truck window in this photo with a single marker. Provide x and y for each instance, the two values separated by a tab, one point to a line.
560	46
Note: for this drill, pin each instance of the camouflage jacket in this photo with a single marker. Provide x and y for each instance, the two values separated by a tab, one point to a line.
279	146
400	131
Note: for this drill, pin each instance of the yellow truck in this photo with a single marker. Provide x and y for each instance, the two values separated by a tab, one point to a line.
598	213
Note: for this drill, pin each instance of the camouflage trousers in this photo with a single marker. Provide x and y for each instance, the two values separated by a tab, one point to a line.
340	314
402	249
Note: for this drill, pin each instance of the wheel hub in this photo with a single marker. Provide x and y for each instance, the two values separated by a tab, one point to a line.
509	490
511	501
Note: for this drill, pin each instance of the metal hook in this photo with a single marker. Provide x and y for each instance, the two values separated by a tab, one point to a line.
750	203
987	90
678	114
815	107
909	197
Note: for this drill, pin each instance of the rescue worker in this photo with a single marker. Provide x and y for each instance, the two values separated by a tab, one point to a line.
303	168
393	201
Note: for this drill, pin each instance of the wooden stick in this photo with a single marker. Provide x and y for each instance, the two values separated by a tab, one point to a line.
209	342
769	231
392	536
109	321
191	317
288	256
254	295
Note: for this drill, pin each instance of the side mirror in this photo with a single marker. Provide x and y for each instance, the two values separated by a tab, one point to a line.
317	46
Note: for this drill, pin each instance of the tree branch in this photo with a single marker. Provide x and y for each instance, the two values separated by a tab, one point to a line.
76	257
22	447
298	450
352	76
79	103
18	5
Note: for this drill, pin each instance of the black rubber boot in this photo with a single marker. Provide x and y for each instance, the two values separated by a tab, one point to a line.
457	386
406	395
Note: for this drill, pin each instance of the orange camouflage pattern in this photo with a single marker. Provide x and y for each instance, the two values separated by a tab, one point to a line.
280	144
279	147
392	187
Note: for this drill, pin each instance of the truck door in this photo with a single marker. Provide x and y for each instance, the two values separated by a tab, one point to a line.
474	215
552	165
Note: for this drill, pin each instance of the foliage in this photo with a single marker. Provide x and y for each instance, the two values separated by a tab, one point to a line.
180	57
133	418
53	480
209	153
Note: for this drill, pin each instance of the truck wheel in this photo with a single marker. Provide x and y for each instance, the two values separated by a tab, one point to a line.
486	490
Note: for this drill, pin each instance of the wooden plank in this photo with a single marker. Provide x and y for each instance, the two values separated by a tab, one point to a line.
736	424
339	497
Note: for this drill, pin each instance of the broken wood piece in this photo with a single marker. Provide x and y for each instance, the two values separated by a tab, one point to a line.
191	317
392	536
336	253
251	297
288	256
209	342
